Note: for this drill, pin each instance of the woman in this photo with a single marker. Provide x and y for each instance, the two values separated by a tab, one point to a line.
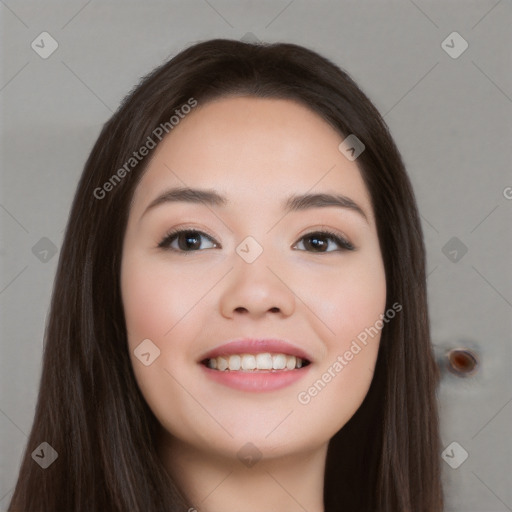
239	319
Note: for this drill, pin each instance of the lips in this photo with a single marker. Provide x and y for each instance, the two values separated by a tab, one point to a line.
245	377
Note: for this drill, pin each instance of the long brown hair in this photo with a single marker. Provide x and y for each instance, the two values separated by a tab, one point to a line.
90	409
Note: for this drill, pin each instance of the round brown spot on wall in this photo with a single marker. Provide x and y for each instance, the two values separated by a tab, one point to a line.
462	361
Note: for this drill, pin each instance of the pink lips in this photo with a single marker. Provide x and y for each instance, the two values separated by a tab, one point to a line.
260	380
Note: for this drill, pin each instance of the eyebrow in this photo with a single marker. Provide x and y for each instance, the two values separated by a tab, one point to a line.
293	203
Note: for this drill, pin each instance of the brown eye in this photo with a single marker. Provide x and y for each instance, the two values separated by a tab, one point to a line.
318	241
186	240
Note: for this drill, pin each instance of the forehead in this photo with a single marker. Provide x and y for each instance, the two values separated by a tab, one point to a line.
252	150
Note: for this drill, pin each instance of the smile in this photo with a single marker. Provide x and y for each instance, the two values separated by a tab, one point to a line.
255	362
256	365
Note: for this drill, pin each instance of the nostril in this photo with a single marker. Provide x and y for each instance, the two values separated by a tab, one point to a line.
462	361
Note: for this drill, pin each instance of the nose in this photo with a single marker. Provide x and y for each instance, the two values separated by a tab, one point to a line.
255	289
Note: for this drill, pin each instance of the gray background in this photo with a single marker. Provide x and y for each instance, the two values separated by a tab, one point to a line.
449	116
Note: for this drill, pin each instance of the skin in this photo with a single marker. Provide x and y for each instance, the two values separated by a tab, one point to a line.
256	152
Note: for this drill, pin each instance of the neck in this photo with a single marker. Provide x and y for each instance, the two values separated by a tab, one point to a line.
213	483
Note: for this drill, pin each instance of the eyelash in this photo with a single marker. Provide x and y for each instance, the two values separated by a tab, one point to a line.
344	244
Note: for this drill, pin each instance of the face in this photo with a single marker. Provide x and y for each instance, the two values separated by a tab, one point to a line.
297	286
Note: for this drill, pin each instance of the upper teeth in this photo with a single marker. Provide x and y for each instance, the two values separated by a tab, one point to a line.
264	361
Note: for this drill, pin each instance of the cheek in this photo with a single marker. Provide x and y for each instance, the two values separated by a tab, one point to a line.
350	308
157	302
156	297
147	304
155	306
347	301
